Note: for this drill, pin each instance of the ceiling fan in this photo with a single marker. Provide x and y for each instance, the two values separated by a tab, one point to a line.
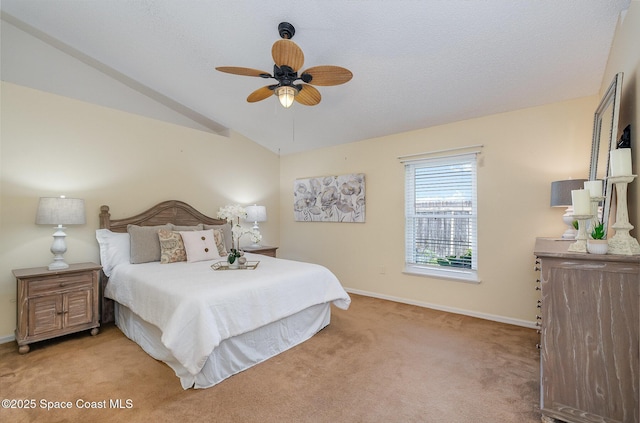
288	58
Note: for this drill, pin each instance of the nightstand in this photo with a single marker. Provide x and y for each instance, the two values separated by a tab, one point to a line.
265	250
52	303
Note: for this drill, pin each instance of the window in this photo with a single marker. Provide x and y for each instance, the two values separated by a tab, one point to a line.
441	217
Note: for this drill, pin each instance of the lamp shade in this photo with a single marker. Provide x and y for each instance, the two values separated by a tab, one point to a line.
561	191
60	211
256	213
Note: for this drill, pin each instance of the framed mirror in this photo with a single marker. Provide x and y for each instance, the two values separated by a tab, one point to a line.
605	131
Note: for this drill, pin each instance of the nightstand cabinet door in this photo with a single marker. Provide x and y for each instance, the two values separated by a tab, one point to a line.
45	314
55	303
78	308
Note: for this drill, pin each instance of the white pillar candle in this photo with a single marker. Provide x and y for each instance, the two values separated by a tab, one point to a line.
620	162
581	200
594	187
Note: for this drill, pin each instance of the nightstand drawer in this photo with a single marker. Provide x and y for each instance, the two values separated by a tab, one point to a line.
59	283
262	249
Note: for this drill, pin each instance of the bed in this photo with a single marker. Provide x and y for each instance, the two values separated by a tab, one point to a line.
206	324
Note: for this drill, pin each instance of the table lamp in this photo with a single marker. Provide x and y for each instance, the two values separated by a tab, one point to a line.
256	214
60	211
561	197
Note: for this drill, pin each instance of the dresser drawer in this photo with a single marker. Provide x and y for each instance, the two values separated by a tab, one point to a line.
60	283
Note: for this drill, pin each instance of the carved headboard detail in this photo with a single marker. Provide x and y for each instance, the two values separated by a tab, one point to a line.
172	211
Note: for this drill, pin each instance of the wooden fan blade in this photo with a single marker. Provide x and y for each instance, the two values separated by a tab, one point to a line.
308	95
244	71
328	75
287	53
260	94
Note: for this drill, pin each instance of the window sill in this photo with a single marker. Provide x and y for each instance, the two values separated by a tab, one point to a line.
470	276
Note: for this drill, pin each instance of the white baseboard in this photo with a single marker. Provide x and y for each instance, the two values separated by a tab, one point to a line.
493	317
7	339
486	316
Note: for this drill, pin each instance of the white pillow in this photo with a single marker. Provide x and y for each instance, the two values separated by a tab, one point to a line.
114	249
199	245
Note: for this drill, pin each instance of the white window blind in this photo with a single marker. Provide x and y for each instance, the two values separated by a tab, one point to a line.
441	217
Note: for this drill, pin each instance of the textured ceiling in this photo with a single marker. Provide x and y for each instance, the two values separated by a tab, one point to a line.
415	63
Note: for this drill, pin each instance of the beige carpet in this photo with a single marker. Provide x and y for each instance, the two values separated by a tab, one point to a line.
379	361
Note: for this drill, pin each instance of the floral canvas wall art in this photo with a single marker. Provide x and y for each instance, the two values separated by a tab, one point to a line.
330	199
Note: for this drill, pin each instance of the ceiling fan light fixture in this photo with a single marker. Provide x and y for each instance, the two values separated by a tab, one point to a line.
285	95
288	59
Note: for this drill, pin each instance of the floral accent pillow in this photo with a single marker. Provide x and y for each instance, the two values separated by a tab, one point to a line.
171	247
218	236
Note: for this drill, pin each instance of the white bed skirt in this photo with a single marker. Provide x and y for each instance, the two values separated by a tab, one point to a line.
233	355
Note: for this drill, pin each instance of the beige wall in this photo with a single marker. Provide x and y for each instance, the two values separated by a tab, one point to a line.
524	151
54	145
625	57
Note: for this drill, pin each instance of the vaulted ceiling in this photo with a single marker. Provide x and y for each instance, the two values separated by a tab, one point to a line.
415	63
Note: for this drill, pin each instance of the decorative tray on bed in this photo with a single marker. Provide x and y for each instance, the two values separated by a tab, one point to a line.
224	265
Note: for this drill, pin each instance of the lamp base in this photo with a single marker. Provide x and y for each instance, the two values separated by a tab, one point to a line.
58	265
58	248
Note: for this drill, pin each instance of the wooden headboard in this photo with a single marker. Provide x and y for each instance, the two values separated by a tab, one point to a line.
172	211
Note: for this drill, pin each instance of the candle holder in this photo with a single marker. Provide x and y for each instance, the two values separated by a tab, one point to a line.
580	246
622	242
596	212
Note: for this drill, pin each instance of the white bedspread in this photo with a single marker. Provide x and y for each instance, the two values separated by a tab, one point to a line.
196	307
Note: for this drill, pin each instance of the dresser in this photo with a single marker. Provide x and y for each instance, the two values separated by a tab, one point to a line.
590	324
53	303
